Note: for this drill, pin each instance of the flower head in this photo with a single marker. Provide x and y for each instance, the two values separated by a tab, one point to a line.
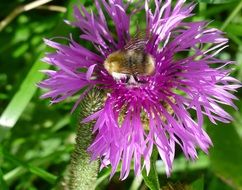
154	109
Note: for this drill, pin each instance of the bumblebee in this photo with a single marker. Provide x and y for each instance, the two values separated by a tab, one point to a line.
130	62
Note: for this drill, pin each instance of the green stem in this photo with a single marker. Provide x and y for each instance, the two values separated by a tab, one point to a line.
83	172
231	16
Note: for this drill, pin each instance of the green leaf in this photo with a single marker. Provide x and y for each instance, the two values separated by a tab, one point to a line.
216	183
43	174
217	1
15	173
197	185
181	164
3	184
102	176
23	95
33	169
136	183
226	154
235	29
152	180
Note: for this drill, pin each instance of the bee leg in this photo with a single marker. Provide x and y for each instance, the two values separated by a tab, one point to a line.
127	79
132	80
135	78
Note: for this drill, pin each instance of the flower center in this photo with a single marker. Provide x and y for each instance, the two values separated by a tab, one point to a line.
145	116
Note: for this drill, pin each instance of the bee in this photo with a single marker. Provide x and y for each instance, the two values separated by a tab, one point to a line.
130	62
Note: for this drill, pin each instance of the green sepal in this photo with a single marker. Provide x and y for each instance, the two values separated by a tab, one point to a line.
152	180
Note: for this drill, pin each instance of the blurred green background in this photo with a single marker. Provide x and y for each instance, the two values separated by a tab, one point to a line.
36	139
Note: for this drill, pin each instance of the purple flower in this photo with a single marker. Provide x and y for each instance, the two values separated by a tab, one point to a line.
156	111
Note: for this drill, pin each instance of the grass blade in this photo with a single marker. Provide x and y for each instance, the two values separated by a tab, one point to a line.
33	169
23	96
28	87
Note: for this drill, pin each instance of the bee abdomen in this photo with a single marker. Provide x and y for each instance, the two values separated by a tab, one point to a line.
136	62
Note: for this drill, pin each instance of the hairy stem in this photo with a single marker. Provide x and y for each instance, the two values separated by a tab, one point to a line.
83	172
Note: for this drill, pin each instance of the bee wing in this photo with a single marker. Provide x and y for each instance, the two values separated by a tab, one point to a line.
138	42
